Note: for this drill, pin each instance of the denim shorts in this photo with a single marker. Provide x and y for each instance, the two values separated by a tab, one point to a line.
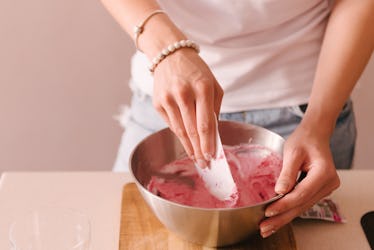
142	120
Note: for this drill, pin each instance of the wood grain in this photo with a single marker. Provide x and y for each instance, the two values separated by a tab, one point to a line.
141	230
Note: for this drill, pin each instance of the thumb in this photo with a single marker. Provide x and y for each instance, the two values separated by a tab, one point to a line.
292	162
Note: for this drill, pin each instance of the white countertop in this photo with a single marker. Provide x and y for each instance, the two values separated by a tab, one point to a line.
98	194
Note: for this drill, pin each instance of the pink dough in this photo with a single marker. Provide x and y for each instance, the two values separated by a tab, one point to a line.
254	168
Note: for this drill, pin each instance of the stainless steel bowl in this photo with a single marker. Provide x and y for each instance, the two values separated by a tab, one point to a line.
209	227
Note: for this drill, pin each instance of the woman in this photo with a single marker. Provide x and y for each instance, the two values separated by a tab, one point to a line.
288	65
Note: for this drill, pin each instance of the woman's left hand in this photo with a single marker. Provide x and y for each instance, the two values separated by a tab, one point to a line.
305	150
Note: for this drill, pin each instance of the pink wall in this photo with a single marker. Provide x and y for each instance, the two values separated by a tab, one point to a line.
63	74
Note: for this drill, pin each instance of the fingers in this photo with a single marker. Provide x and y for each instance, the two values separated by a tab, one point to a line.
164	115
178	109
292	160
303	192
186	104
273	224
205	119
187	94
171	114
303	151
316	185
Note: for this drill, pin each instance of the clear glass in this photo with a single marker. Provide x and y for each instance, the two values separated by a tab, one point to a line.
50	228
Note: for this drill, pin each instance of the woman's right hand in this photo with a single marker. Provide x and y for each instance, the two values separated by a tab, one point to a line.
187	96
186	93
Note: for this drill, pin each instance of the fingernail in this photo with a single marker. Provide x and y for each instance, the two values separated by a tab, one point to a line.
208	157
192	157
266	228
281	187
267	234
201	163
271	213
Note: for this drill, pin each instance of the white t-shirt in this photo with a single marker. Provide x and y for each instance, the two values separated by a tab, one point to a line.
263	52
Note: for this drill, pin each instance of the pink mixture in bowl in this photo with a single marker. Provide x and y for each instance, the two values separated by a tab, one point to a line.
254	168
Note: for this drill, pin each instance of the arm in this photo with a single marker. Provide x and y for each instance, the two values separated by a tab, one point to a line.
159	32
186	94
347	47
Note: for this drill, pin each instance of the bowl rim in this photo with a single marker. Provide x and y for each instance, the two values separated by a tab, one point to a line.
139	185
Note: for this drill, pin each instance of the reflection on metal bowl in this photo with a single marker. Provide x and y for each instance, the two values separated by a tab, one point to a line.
210	227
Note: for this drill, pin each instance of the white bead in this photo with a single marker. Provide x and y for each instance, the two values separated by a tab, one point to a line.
196	47
183	43
171	48
189	43
156	60
165	52
160	57
138	29
177	45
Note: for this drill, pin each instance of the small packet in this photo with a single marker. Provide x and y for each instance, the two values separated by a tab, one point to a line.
325	209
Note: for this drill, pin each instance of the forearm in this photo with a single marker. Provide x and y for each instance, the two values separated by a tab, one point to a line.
346	49
159	31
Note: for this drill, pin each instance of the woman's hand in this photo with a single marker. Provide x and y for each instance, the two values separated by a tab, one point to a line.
187	95
306	150
339	67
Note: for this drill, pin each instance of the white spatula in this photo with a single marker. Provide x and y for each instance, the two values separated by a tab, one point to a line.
217	176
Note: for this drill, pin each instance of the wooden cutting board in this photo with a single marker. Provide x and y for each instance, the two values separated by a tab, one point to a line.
140	229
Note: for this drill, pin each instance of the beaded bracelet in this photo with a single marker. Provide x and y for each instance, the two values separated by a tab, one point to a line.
171	49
